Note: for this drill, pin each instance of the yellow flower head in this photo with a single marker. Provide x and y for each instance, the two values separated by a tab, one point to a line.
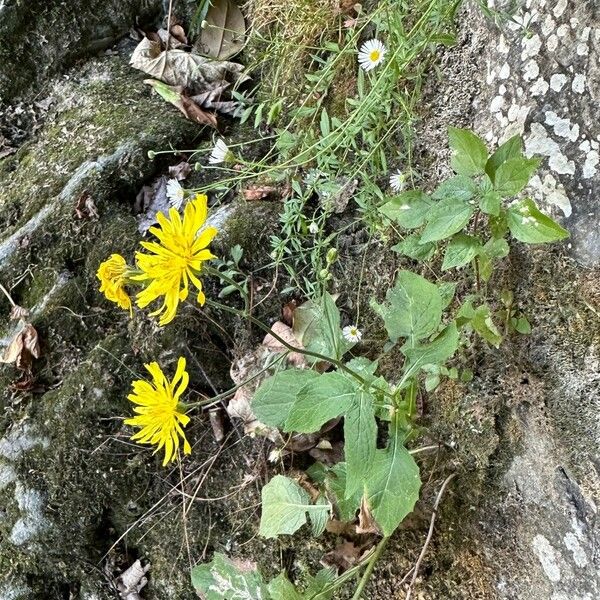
176	260
160	415
112	275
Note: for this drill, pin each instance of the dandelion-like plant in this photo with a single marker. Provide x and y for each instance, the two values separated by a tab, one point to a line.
113	275
159	413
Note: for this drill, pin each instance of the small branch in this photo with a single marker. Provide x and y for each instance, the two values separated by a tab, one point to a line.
7	294
429	534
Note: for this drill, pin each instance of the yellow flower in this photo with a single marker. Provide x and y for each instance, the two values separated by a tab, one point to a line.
160	415
112	274
176	260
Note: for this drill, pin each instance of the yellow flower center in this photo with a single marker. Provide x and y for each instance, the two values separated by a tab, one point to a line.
375	55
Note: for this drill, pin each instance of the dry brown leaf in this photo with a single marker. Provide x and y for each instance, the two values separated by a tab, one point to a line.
286	334
213	99
330	455
150	200
85	207
366	522
18	312
338	527
196	74
23	348
217	423
343	557
177	39
258	192
131	582
180	171
287	312
223	37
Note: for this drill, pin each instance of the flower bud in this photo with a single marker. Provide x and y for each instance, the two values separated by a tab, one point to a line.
151	154
332	255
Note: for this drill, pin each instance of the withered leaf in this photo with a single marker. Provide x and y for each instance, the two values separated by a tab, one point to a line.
85	207
180	171
285	333
177	39
343	557
258	192
366	522
131	582
23	348
223	37
212	98
150	200
18	312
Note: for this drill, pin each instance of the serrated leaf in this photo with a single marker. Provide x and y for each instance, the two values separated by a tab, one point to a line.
393	483
459	187
435	352
514	174
282	589
284	507
413	307
273	400
323	398
446	218
512	148
360	441
528	224
408	209
490	203
469	152
461	250
226	579
410	246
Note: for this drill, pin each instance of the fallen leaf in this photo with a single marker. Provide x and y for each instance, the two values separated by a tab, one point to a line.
23	348
175	95
343	557
258	192
366	522
18	312
180	171
328	455
177	39
195	73
287	312
131	582
85	208
150	200
338	527
213	99
285	333
224	34
339	200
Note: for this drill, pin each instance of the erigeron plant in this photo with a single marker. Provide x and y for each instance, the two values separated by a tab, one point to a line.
469	216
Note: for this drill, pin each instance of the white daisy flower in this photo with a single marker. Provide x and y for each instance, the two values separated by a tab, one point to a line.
175	193
371	54
397	181
220	153
313	228
352	333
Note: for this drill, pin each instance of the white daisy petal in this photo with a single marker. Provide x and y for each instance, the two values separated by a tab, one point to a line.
352	334
397	181
371	53
175	193
220	153
313	228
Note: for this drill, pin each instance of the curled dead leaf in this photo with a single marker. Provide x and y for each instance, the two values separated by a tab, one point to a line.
343	557
180	171
213	98
259	192
23	348
131	582
150	200
85	207
18	312
285	333
366	522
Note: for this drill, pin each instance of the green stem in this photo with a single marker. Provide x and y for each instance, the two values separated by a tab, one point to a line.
369	570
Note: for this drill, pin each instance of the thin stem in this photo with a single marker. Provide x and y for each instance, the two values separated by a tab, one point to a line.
7	294
370	566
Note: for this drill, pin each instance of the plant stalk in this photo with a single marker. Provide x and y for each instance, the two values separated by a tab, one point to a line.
369	570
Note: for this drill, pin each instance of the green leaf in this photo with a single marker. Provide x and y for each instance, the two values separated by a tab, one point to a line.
317	327
318	520
490	203
521	325
413	308
323	398
282	589
512	148
461	250
393	483
360	441
284	507
325	125
408	209
459	187
316	585
445	219
528	224
435	352
274	398
483	324
447	290
410	246
336	484
226	579
513	175
469	152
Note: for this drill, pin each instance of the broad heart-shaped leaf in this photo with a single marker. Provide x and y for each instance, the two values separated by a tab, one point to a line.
360	441
459	188
514	174
317	327
408	209
461	250
276	395
432	353
528	224
284	507
226	579
282	589
393	483
512	148
410	246
335	482
323	398
469	152
413	307
446	218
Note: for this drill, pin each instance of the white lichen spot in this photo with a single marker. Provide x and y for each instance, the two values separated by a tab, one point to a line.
591	162
504	71
550	191
578	85
557	81
585	34
548	25
562	127
531	70
547	557
560	8
503	47
552	43
540	87
562	31
32	522
579	555
502	89
582	49
7	475
539	143
497	104
531	46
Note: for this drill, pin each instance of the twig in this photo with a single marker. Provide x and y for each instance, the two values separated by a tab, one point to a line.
429	534
8	296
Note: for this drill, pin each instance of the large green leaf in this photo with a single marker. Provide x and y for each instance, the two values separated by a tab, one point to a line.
461	250
226	579
528	224
284	507
282	589
408	209
323	398
446	218
413	307
393	483
459	188
411	246
512	148
514	174
360	441
275	397
435	352
469	152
